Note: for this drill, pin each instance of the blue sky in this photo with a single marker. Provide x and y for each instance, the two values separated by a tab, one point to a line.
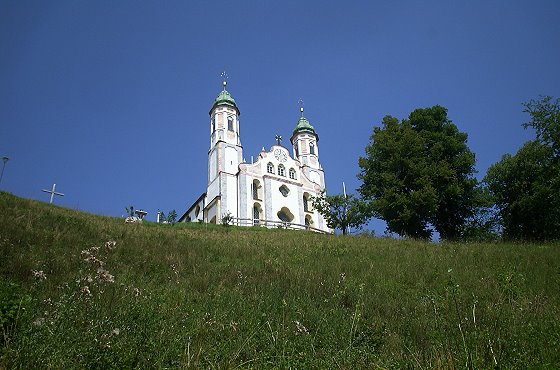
110	99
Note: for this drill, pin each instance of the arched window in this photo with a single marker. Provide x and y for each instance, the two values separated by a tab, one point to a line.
292	173
312	148
281	170
213	124
270	168
306	202
230	123
308	221
296	149
255	189
256	214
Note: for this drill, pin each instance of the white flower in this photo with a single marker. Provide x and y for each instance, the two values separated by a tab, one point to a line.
39	275
85	290
104	276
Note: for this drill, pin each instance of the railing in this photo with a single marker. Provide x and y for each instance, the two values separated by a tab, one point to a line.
274	224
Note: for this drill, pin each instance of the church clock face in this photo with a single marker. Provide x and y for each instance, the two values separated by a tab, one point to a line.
280	155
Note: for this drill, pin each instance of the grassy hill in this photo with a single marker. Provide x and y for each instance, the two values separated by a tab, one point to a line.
84	291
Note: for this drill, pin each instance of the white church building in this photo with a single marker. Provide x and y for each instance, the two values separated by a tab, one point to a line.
273	191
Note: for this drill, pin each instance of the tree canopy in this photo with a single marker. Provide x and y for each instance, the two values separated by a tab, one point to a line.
418	174
526	186
341	211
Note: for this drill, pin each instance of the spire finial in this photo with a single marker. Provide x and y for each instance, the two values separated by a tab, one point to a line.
224	79
278	139
300	101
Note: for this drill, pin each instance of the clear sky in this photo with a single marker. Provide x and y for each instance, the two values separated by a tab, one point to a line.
110	99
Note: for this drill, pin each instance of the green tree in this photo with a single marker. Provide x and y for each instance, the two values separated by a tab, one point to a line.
526	186
340	211
171	216
526	190
418	175
545	119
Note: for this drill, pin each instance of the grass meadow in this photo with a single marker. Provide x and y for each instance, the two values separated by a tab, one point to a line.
81	291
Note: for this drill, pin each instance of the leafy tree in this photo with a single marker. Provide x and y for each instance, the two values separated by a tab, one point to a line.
418	174
526	190
171	216
545	119
341	212
526	186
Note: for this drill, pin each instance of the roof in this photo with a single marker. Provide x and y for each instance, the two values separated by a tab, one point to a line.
225	98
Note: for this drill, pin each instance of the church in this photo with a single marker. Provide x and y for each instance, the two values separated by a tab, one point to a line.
273	191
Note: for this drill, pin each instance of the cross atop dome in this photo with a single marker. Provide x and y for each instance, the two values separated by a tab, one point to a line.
224	76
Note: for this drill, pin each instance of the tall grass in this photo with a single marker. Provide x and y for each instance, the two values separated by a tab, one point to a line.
191	296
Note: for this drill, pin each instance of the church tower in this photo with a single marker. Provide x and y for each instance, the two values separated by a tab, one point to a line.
304	141
224	157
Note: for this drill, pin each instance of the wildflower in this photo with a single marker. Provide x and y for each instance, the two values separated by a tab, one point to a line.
342	277
136	292
39	275
300	329
39	321
104	276
115	332
111	244
85	290
449	270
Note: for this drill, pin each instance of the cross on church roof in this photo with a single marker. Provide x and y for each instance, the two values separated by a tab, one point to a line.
278	139
224	79
300	101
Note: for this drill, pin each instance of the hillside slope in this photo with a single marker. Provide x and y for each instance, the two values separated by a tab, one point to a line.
84	291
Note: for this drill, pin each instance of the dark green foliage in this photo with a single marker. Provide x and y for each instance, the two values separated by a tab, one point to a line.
12	301
526	186
545	119
418	174
205	296
341	211
526	190
172	216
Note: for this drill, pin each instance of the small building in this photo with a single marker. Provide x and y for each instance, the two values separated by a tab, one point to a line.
274	191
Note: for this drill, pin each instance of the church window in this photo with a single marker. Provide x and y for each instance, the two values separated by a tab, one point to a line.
284	190
256	214
281	170
306	202
292	173
311	148
270	168
255	189
197	211
230	123
308	221
296	149
213	124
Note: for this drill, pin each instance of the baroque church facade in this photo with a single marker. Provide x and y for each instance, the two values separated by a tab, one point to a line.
273	191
